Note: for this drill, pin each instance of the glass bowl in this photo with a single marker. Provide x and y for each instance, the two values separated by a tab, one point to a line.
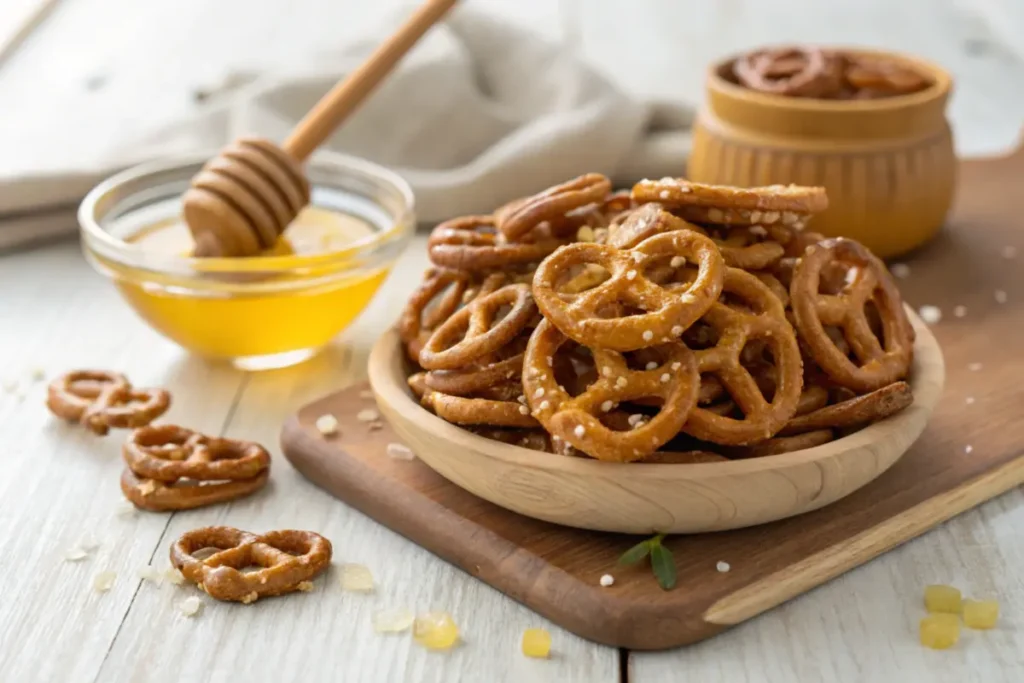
262	312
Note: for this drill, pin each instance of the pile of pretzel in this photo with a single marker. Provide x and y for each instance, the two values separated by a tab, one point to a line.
826	74
676	322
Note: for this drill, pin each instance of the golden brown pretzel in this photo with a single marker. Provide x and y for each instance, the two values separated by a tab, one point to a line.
479	411
99	400
878	77
752	205
287	559
168	453
666	314
646	221
434	301
474	331
517	220
466	381
794	71
472	243
783	444
877	364
161	496
760	318
854	412
577	420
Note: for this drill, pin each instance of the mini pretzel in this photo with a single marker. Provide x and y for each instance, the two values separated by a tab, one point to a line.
161	496
793	71
418	384
100	400
551	205
877	364
667	314
765	320
882	77
814	397
763	205
783	444
742	248
442	288
576	420
168	453
854	412
478	411
472	243
469	380
287	559
474	331
646	221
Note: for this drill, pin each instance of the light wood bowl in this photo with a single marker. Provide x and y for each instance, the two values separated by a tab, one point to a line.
656	498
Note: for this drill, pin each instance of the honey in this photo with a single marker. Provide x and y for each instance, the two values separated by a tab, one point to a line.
236	312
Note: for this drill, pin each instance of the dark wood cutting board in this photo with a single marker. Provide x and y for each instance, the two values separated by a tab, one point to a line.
556	570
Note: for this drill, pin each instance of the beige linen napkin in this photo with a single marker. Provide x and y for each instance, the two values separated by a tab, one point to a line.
479	113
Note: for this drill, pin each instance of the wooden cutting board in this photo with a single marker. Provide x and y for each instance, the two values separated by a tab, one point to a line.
555	570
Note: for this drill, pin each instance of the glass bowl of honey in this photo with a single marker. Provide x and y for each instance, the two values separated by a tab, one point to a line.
268	311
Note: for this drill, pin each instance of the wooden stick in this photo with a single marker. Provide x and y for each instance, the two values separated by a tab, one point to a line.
348	94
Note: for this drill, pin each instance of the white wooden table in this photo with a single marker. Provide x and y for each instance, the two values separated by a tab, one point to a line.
97	68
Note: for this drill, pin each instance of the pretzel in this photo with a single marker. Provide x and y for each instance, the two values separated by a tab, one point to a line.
648	220
444	289
478	411
814	397
752	205
551	205
735	327
576	420
161	496
742	248
466	381
877	364
418	384
100	400
783	444
474	331
876	77
856	411
666	314
168	453
472	243
287	559
793	71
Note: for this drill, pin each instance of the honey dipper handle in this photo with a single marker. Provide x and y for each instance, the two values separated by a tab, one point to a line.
347	95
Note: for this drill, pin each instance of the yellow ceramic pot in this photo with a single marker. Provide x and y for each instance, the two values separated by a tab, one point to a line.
888	164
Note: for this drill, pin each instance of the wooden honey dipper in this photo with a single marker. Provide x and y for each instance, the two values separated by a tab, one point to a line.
244	198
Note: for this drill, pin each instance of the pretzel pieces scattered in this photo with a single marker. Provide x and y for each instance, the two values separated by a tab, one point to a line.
286	560
100	400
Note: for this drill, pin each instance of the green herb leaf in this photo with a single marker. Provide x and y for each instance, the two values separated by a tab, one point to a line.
636	553
664	566
656	540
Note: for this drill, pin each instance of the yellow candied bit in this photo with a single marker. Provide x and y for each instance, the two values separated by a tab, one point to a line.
392	621
435	631
981	613
940	631
356	578
536	642
945	599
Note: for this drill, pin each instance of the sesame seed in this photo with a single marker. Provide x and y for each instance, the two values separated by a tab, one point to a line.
677	262
930	314
606	406
607	580
539	392
620	383
900	270
579	431
723	567
651	365
648	335
630	274
1000	296
665	377
968	448
1009	251
959	311
677	330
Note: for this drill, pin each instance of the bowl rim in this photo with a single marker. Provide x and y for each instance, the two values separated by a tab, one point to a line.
101	244
941	85
387	359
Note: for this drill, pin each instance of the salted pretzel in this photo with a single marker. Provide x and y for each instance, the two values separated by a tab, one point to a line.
879	77
646	221
287	559
475	331
876	363
472	243
99	400
466	381
854	411
162	496
551	206
742	247
783	444
760	317
577	420
743	205
793	71
434	301
478	411
168	453
665	315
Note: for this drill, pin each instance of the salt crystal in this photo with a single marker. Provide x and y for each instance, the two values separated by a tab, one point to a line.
75	554
191	605
392	621
900	270
665	377
664	194
651	365
539	392
356	578
523	410
585	234
579	431
677	330
648	335
960	311
544	405
306	586
103	581
367	415
401	452
607	580
637	257
174	576
621	383
723	567
930	314
630	274
125	509
327	425
677	365
606	406
968	448
150	573
88	542
634	420
677	262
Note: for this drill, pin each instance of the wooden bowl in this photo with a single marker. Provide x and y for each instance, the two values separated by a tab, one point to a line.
888	164
651	498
